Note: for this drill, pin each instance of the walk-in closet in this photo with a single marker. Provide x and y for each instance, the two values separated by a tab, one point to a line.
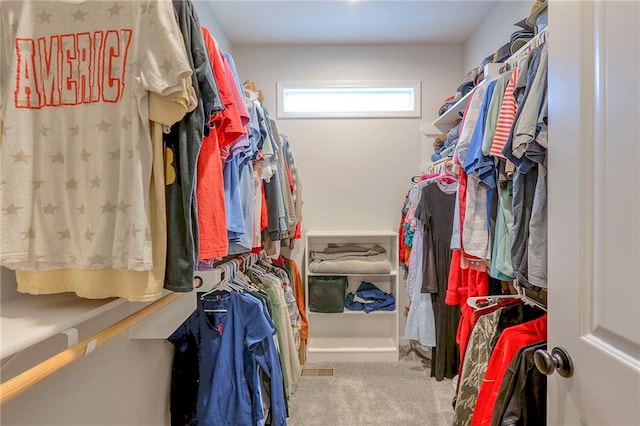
336	212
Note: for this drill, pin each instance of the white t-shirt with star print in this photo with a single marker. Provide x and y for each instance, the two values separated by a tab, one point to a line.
76	151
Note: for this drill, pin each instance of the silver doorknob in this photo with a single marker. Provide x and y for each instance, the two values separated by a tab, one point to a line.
558	359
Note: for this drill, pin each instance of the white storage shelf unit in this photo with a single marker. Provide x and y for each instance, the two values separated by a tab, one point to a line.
354	335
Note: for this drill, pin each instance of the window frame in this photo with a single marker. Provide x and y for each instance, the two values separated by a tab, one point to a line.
416	85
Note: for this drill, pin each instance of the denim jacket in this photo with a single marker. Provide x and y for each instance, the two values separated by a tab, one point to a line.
369	298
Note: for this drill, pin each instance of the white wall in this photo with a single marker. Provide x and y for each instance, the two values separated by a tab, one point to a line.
495	30
355	172
208	19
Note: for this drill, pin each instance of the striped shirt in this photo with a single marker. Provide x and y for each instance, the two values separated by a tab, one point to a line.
470	120
476	234
506	116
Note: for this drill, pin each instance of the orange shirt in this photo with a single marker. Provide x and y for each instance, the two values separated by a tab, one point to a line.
212	219
228	124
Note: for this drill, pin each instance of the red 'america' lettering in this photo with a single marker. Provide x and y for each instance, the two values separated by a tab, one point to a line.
71	69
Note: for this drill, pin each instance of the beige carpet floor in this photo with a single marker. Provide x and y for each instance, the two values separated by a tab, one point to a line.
390	394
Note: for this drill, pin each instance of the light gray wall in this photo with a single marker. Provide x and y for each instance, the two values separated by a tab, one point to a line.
208	19
355	172
495	30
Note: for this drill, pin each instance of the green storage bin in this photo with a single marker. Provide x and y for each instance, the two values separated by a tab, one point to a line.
327	293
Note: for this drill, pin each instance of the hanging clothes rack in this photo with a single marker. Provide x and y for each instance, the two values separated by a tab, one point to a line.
437	167
239	262
22	382
532	44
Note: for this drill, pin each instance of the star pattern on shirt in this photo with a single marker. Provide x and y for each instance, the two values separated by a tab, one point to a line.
21	156
122	207
125	123
95	182
135	66
50	209
37	184
75	131
97	259
147	7
108	207
115	155
71	184
79	15
84	155
66	234
88	236
44	131
103	126
167	66
29	234
114	10
57	158
139	260
12	209
125	256
44	17
80	209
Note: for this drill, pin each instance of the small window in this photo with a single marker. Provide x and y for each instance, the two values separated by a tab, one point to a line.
348	99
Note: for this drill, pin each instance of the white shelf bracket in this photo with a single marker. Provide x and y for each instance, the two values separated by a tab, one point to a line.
429	130
91	346
72	336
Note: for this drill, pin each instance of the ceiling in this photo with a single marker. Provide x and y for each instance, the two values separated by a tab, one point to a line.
353	21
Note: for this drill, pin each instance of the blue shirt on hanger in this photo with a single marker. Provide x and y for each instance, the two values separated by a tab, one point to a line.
228	346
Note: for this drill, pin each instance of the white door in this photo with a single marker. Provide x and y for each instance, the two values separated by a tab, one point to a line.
594	210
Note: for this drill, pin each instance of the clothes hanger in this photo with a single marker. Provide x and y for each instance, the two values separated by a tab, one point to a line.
258	269
243	283
526	299
447	180
481	302
251	95
222	286
232	283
